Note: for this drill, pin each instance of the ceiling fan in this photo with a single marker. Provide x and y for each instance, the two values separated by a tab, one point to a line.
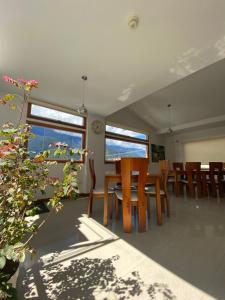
83	109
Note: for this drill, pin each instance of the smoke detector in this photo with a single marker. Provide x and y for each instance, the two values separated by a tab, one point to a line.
133	21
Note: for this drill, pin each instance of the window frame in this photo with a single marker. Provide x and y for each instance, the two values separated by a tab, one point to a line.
120	137
55	124
29	115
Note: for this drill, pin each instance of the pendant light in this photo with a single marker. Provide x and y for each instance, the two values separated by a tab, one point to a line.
170	130
82	109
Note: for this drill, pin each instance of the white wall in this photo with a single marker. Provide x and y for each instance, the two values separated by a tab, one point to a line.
175	144
13	116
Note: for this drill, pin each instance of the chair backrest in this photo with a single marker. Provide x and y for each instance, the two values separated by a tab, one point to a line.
164	165
118	166
178	166
129	165
215	166
193	166
92	173
164	172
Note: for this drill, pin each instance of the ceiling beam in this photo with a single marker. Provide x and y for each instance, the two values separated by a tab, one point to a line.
194	124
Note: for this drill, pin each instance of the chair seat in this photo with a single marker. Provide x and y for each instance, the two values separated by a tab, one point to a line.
171	180
209	181
101	191
186	181
119	188
151	191
119	195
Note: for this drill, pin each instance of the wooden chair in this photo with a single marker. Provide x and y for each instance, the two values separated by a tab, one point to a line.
136	198
214	181
150	190
223	179
163	165
178	166
99	194
193	178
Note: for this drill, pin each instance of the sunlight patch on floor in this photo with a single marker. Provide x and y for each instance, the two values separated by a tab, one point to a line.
104	266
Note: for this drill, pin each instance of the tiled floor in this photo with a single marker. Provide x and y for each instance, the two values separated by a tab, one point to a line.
78	258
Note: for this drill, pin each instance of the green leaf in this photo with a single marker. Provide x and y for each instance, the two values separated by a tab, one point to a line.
2	262
22	256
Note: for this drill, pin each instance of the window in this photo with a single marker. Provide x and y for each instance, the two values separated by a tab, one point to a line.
55	126
121	142
44	113
126	132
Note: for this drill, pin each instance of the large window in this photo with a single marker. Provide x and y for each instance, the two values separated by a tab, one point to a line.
120	142
51	126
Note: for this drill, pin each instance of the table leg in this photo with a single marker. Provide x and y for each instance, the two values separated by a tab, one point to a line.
177	191
142	207
204	185
190	185
158	202
127	212
106	201
199	185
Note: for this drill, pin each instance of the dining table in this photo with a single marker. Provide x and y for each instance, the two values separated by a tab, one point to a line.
116	178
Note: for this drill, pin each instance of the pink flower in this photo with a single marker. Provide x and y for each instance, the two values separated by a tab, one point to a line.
9	79
21	80
32	83
6	149
59	144
22	83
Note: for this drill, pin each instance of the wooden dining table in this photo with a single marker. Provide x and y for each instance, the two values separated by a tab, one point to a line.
112	178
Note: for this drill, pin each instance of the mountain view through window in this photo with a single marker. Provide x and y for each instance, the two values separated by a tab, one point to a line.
121	142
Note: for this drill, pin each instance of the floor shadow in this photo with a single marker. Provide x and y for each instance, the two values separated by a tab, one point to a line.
65	269
86	279
186	243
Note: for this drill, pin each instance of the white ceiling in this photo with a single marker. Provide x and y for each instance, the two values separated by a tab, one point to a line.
197	100
56	42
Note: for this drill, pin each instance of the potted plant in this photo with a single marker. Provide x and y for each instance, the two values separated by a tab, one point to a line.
21	176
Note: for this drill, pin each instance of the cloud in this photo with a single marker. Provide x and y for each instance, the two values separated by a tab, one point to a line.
125	132
53	114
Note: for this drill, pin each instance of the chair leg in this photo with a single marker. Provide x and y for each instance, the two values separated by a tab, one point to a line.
163	204
111	205
167	206
117	207
148	206
90	202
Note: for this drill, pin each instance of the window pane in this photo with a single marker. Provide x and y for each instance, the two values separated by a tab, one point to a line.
52	114
46	136
126	132
116	149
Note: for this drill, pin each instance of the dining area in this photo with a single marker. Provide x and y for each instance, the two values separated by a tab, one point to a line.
130	191
127	192
203	180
